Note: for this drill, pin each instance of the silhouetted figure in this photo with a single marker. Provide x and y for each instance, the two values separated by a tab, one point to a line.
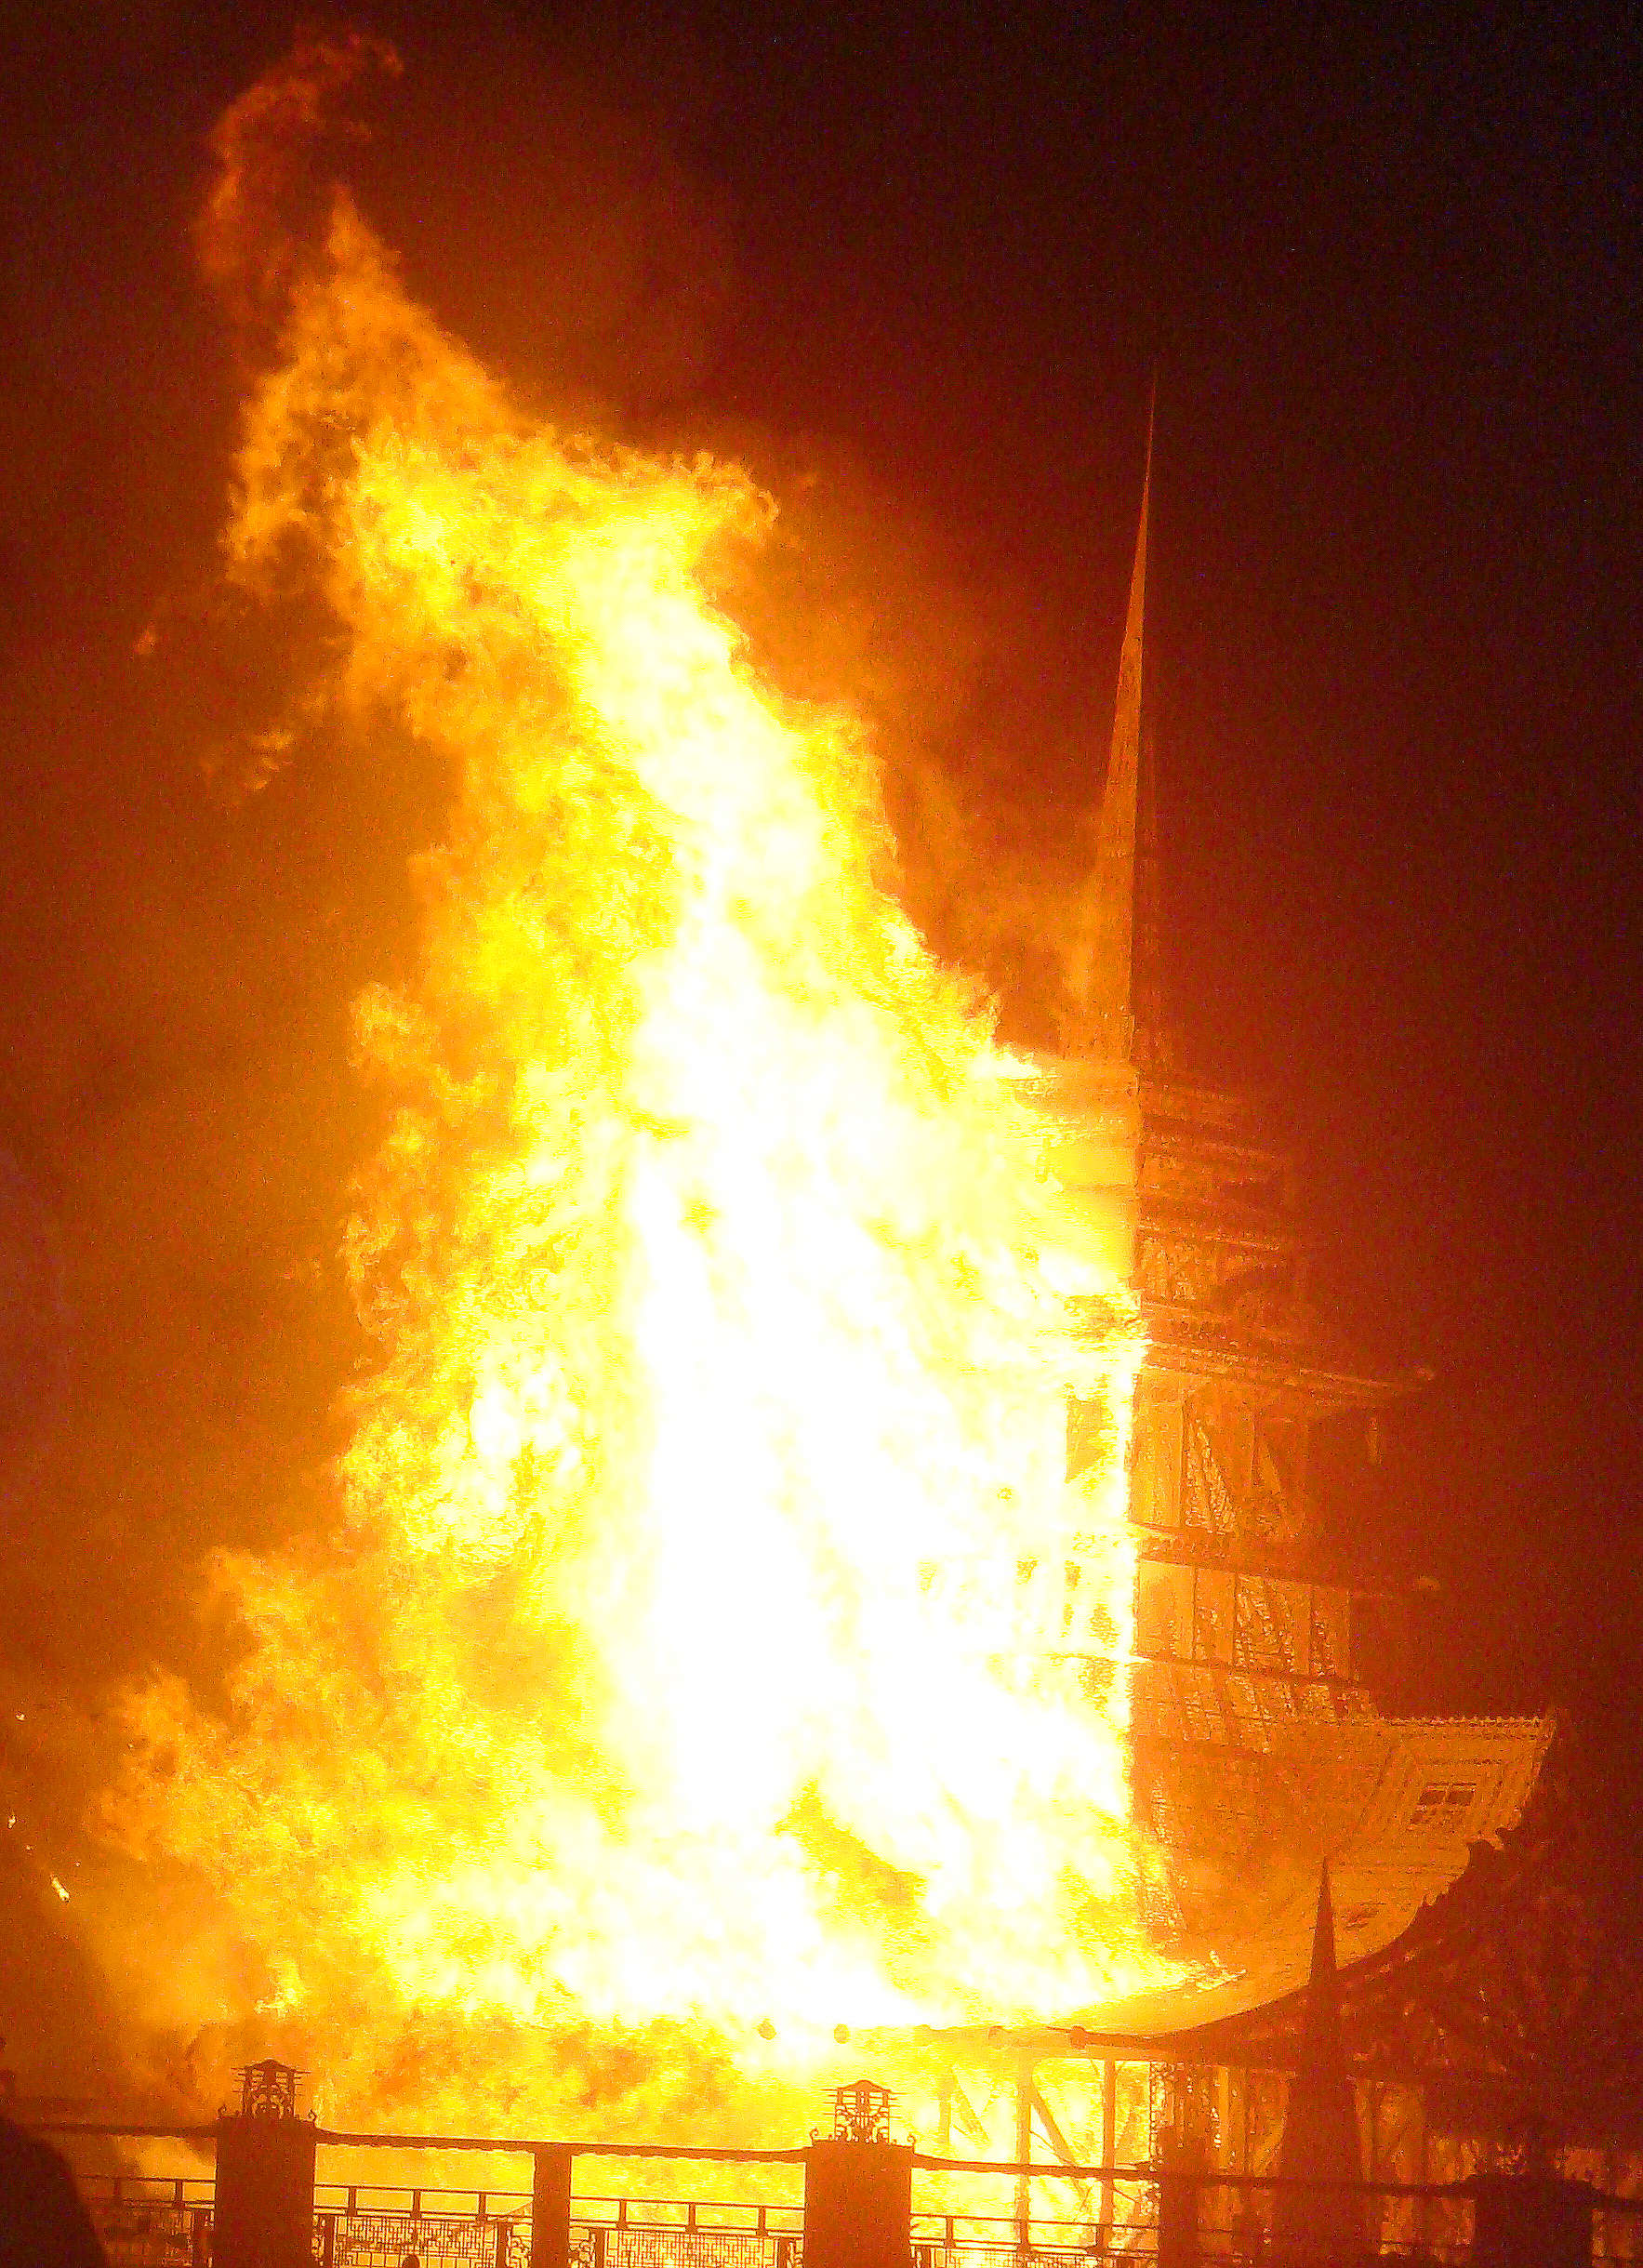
43	2223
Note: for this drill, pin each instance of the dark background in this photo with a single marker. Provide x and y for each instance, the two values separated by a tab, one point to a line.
920	268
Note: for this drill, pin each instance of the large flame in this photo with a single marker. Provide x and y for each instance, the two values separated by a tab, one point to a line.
713	1637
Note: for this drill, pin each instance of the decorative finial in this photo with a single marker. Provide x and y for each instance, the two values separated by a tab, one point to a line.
268	2089
861	2113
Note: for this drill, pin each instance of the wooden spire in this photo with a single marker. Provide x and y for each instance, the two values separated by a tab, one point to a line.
1112	963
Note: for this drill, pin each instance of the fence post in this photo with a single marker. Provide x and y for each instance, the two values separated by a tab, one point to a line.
551	2206
1530	2220
263	2212
1178	2219
859	2204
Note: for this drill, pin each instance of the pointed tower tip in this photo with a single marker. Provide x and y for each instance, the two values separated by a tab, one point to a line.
1323	1927
1323	2030
1320	2138
1101	962
1135	614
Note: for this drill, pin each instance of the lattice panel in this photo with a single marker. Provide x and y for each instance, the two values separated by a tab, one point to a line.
434	2240
142	2234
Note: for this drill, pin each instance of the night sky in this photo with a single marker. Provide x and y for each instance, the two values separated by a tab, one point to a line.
918	268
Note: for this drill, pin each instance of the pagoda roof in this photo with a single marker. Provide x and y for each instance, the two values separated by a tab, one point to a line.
1198	1346
1395	1804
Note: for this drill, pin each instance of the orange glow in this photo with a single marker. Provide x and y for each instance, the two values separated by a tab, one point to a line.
712	1635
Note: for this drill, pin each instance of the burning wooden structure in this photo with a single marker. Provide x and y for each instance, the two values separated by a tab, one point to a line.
711	1549
1260	1748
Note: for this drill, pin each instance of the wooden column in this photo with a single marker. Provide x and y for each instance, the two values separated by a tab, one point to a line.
1109	2133
1024	2150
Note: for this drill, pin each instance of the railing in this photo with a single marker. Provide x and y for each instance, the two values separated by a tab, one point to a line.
152	2224
658	2232
381	2228
971	2240
166	2223
1210	2219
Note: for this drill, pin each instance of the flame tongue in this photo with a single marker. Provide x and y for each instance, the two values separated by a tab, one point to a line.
691	1658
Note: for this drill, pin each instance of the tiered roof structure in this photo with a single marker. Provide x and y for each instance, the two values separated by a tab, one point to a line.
1261	1750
